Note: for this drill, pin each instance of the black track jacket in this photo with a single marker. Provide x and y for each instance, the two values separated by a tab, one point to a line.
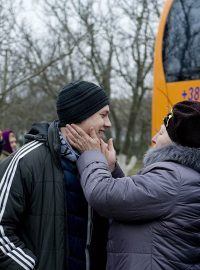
32	205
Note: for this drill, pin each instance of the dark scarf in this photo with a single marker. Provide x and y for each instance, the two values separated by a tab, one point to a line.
66	149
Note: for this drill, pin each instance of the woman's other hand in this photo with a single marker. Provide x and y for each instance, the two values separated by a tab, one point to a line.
109	152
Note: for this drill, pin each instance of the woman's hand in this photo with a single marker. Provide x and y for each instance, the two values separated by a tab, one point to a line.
79	139
109	152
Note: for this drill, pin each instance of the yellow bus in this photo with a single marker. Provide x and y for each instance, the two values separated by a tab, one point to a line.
176	58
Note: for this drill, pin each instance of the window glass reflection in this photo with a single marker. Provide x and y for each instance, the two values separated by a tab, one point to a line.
181	47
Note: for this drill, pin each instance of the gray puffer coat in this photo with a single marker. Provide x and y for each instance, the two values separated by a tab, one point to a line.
155	214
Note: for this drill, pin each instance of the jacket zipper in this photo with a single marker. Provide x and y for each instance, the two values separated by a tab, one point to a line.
89	236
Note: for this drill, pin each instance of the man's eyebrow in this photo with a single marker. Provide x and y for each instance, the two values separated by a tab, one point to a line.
105	111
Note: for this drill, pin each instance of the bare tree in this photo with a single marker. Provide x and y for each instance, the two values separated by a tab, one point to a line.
7	22
106	41
134	56
27	69
91	29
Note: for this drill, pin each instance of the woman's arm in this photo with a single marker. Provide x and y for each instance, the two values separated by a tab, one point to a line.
145	196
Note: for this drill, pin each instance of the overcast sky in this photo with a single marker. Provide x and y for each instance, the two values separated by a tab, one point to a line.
30	13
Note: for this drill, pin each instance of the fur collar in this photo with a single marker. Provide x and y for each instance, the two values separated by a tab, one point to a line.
186	156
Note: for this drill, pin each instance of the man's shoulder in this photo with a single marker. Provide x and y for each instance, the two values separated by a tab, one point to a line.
29	153
33	149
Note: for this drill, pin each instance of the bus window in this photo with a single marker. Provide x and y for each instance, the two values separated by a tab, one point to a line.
176	58
181	50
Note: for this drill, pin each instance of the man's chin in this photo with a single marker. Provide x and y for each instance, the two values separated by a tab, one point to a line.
100	135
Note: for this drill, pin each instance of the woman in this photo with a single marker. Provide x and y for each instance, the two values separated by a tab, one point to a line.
9	143
154	214
1	142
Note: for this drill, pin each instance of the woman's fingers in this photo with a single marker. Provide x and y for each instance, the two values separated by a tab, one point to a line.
103	147
72	130
109	152
93	134
79	131
71	133
72	142
80	139
71	138
110	145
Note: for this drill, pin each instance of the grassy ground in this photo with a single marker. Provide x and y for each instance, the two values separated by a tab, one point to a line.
138	166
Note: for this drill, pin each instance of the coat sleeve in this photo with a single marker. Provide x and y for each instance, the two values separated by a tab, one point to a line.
14	255
146	196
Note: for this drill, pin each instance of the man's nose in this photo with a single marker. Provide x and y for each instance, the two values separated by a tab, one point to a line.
108	123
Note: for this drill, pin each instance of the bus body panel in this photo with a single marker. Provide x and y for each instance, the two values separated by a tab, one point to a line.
160	88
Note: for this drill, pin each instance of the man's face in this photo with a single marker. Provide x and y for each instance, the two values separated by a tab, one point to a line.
100	121
161	138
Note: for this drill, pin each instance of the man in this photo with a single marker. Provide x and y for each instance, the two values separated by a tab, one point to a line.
154	214
45	221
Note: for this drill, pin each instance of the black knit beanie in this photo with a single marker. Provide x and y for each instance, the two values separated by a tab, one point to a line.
79	100
183	123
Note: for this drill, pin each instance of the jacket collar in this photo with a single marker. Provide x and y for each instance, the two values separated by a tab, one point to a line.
47	133
186	156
